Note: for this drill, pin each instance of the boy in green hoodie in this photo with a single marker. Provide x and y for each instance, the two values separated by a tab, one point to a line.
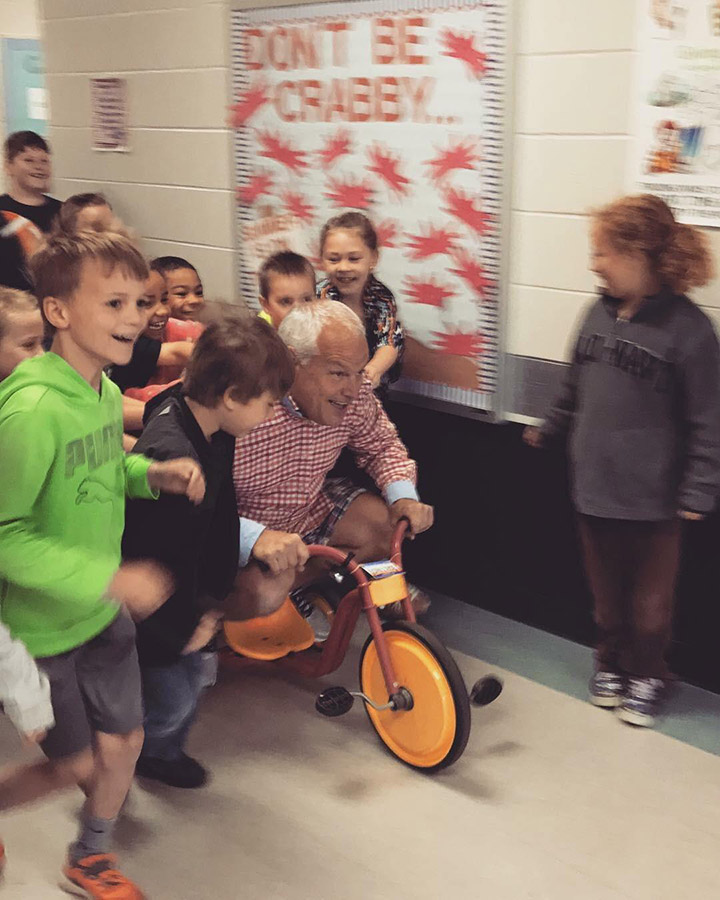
63	591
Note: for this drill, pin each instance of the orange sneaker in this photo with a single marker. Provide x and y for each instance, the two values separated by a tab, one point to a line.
96	878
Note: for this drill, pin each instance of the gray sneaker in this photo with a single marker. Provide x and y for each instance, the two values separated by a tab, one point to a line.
607	689
642	701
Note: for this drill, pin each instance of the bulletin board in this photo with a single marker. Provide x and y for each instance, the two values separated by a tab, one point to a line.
677	102
24	85
396	108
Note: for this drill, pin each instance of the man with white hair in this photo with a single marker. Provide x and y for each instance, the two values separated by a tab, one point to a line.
284	496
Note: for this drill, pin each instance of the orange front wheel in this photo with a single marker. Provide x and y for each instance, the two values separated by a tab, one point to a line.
434	733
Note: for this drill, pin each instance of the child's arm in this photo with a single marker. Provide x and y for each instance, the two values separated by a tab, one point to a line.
132	414
24	690
389	335
700	373
175	353
383	360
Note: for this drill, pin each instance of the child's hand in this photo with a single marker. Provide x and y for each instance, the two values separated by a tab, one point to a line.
32	738
375	377
178	476
533	437
206	630
690	516
141	586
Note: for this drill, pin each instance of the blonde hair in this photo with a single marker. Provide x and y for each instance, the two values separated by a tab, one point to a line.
679	254
12	300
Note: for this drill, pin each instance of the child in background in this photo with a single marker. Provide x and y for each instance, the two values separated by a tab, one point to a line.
349	253
285	278
164	327
26	211
21	329
149	351
185	290
239	369
24	690
64	593
641	403
86	212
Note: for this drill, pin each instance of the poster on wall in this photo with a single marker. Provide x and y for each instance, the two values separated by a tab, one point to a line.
678	109
24	86
394	109
109	113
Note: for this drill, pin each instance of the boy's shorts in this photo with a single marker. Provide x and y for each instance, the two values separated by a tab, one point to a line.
94	687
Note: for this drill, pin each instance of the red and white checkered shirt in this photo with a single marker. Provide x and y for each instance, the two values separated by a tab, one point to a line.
280	467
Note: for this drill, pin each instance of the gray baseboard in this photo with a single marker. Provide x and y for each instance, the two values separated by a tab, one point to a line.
532	384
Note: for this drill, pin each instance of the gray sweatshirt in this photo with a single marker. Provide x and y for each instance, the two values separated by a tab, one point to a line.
641	403
24	690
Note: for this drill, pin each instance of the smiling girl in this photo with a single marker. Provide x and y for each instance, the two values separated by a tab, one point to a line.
349	253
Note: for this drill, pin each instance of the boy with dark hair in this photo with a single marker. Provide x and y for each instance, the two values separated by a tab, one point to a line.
240	368
184	287
64	593
26	212
150	350
285	278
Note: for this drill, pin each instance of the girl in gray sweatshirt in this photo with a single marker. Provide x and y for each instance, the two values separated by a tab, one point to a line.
641	407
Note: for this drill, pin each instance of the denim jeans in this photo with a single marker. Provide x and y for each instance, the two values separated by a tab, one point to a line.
170	697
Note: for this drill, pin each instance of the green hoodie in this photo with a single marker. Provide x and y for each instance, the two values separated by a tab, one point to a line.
62	503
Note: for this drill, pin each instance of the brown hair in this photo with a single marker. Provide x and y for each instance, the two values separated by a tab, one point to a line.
71	208
679	254
21	140
12	300
351	220
284	263
242	354
56	267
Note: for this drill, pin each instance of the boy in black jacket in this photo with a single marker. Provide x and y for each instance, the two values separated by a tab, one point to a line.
239	369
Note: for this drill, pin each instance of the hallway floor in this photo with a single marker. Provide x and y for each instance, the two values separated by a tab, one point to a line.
553	799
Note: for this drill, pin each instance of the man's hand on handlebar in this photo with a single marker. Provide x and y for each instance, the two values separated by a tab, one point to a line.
280	551
420	515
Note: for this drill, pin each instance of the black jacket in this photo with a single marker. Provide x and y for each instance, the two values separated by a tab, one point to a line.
199	544
641	402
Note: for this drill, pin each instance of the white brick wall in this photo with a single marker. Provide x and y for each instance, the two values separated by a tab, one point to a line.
175	185
572	118
573	108
18	19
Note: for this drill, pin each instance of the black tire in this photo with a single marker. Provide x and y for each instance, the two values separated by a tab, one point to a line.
455	681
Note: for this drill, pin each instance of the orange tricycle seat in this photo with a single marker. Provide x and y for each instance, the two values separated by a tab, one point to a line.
271	637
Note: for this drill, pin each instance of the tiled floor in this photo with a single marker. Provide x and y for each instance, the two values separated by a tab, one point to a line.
553	798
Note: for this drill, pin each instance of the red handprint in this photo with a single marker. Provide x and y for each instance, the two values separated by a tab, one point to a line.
260	183
272	147
471	272
386	164
387	232
435	241
427	292
462	207
462	155
357	194
458	343
248	103
336	145
297	206
462	47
